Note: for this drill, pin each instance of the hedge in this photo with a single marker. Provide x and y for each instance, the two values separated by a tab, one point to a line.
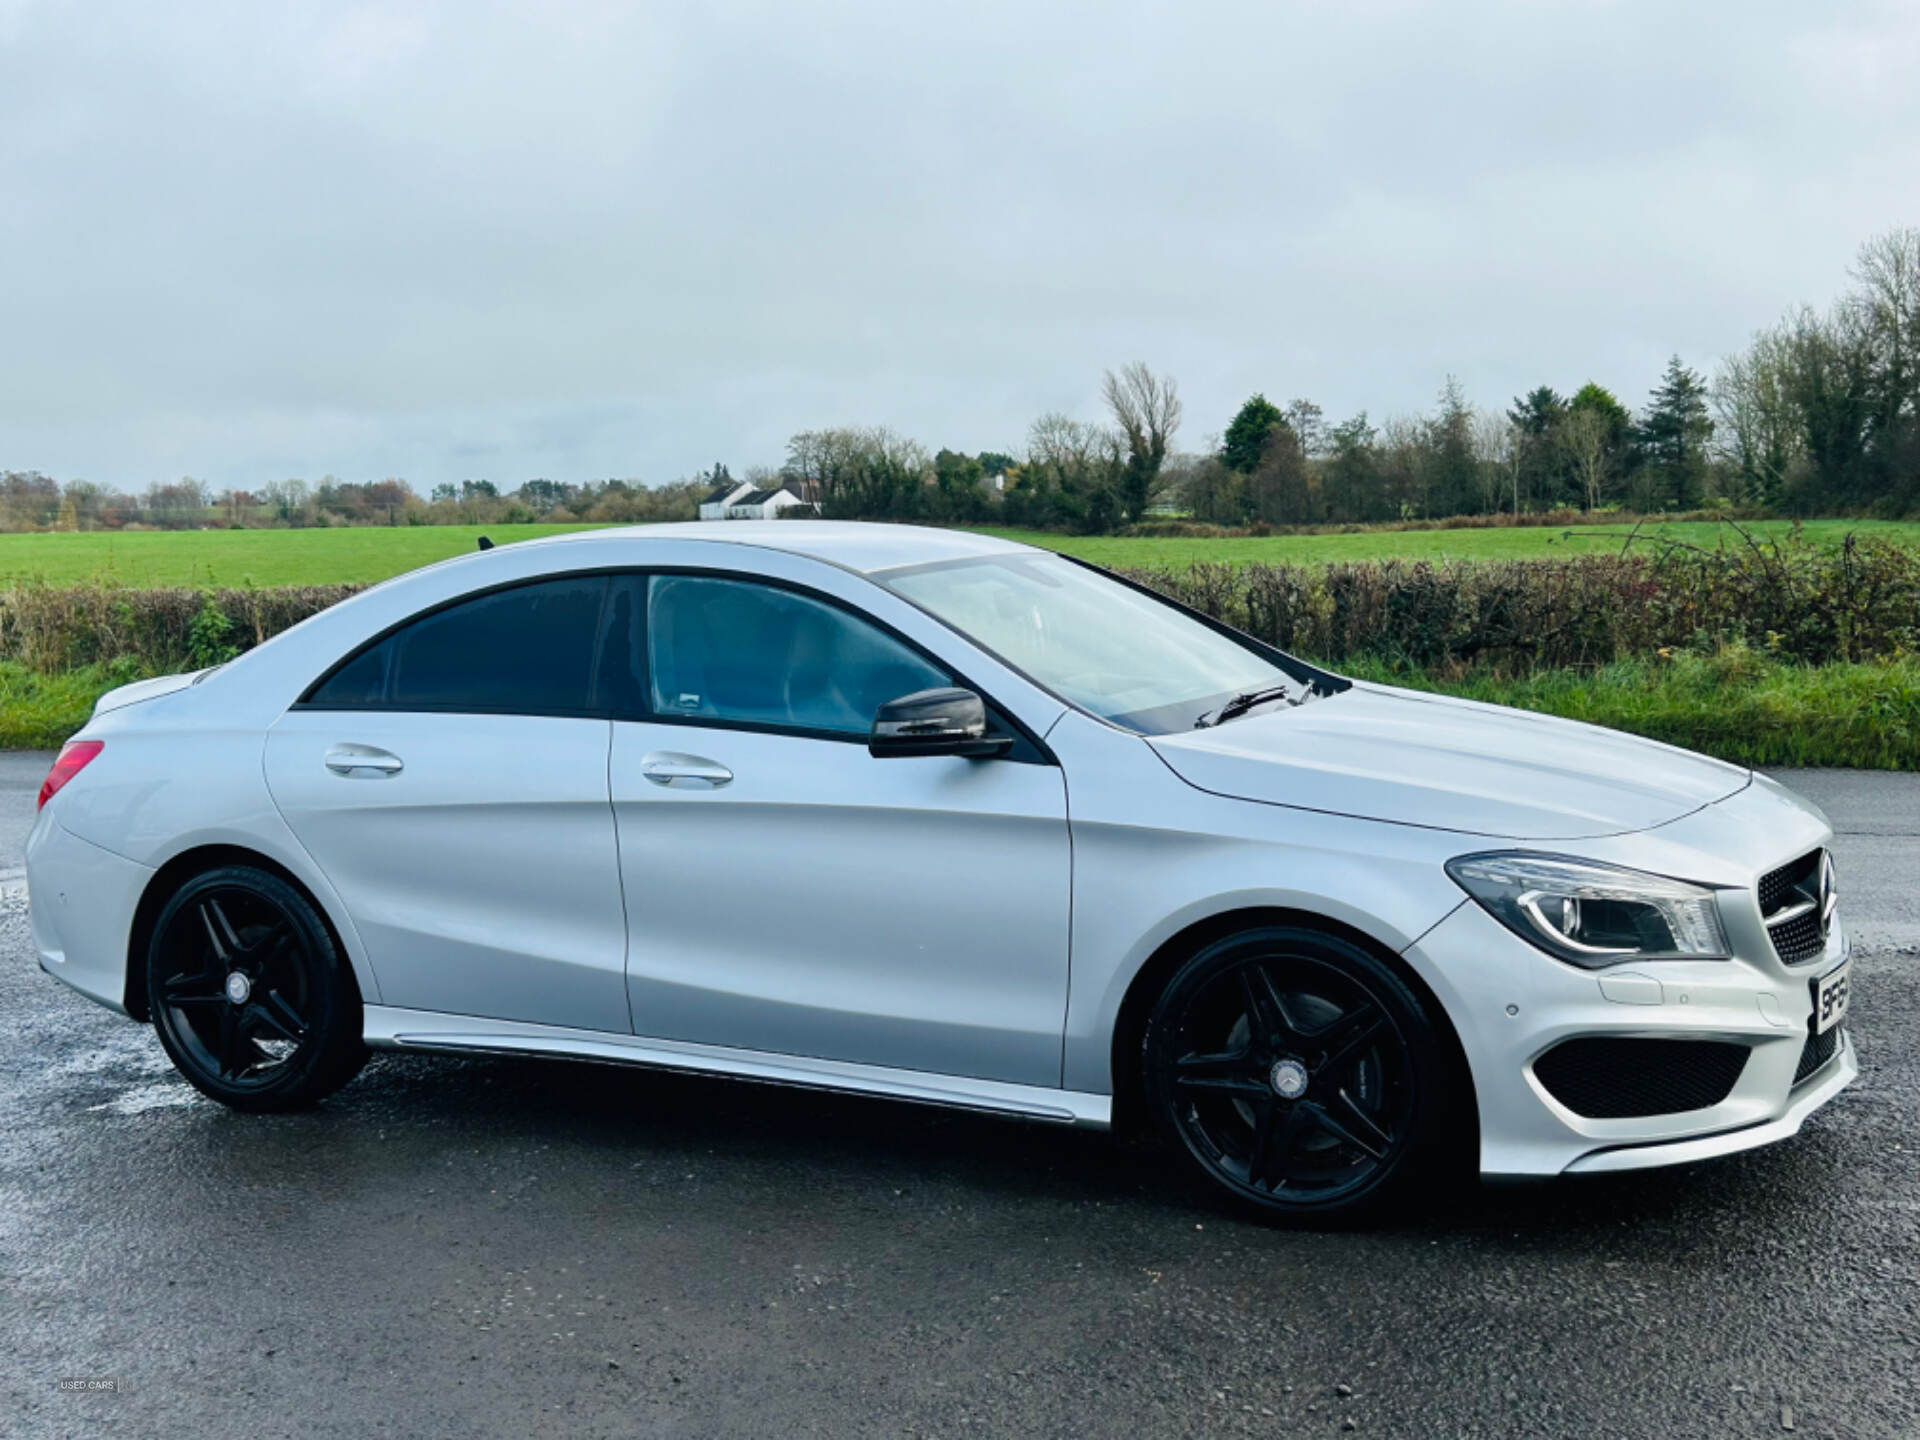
1859	601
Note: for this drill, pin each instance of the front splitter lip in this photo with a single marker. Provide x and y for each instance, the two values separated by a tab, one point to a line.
1840	1073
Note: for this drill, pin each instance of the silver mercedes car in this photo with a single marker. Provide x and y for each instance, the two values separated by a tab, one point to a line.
940	817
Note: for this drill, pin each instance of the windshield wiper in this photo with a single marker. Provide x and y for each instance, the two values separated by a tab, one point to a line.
1241	704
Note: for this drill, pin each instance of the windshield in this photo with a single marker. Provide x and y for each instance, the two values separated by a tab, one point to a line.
1109	649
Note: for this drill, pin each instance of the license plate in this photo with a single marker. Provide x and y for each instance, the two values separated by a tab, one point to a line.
1830	995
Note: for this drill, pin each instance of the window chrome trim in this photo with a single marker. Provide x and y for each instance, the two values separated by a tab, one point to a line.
1029	748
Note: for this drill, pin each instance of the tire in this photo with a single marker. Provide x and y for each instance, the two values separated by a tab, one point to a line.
1299	1075
252	999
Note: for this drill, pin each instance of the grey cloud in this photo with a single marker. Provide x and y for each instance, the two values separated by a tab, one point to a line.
443	240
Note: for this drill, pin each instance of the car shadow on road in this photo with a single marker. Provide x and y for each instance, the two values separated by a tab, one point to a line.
767	1145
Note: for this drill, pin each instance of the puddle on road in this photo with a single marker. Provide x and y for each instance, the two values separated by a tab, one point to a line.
127	1060
156	1095
125	1046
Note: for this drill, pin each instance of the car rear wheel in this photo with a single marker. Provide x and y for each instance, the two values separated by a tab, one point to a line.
251	998
1299	1074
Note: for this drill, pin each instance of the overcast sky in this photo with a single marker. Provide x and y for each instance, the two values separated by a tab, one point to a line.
259	240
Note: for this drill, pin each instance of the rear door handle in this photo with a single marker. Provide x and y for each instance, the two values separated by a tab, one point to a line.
684	772
364	762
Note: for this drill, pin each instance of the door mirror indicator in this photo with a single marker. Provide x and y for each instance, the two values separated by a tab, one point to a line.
947	721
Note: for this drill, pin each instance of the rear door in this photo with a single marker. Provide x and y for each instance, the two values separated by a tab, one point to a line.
790	893
451	780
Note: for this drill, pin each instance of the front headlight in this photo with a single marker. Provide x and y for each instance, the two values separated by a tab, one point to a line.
1594	915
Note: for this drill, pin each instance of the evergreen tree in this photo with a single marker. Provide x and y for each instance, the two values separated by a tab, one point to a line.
1538	411
1539	474
1354	489
1672	441
1453	472
956	480
1617	419
1246	438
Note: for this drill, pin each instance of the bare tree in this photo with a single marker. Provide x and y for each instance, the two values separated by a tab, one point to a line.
1582	438
1309	422
1281	489
1403	465
1072	450
1759	430
1885	307
864	472
1146	408
806	465
1496	446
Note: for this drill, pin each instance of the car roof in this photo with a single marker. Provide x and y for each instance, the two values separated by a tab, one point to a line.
852	544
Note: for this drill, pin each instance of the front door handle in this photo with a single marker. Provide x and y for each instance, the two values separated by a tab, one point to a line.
684	772
362	762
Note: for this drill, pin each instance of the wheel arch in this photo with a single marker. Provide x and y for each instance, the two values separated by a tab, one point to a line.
1130	1025
181	868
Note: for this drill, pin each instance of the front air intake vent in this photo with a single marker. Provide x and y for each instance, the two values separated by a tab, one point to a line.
1609	1078
1816	1053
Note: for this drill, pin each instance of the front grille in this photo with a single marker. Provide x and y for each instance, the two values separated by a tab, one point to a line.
1777	886
1818	1050
1796	937
1612	1078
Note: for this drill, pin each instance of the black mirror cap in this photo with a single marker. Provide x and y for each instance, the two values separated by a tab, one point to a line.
946	721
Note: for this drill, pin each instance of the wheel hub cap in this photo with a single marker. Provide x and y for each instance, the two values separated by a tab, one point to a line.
1289	1079
238	988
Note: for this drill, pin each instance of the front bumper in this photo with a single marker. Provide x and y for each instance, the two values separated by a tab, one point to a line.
1511	1004
1818	1089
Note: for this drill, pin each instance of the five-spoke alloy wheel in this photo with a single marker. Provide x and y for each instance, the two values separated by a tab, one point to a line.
250	996
1297	1071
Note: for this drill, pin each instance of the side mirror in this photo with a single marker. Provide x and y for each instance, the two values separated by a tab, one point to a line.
934	722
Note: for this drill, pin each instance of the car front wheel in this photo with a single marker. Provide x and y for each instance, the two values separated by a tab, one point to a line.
251	998
1298	1073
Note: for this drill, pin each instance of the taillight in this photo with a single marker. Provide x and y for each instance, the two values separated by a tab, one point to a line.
71	760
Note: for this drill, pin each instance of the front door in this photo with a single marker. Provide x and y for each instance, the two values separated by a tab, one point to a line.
789	893
451	781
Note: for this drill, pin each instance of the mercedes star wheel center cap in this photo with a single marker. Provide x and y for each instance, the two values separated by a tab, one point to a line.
1289	1079
239	987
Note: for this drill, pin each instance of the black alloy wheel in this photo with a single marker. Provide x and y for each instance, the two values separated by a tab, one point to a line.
251	998
1297	1071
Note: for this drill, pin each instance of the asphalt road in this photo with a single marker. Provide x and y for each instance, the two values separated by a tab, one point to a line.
538	1249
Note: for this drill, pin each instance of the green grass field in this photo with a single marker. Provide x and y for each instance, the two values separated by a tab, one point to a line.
239	557
321	557
1511	543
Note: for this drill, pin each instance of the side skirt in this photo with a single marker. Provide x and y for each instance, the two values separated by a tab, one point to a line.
389	1028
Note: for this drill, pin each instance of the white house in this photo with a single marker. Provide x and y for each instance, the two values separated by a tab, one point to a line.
714	507
757	504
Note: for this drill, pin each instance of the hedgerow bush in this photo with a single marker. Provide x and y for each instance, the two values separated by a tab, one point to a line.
1788	602
1858	601
1563	519
52	628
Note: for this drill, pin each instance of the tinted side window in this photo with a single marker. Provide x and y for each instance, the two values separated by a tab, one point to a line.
734	650
360	684
526	650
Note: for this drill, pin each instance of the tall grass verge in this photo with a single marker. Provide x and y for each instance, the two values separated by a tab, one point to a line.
38	712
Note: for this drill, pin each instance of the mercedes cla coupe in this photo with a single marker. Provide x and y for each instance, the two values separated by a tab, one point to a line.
935	816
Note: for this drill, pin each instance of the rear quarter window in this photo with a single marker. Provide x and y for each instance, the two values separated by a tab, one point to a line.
528	650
